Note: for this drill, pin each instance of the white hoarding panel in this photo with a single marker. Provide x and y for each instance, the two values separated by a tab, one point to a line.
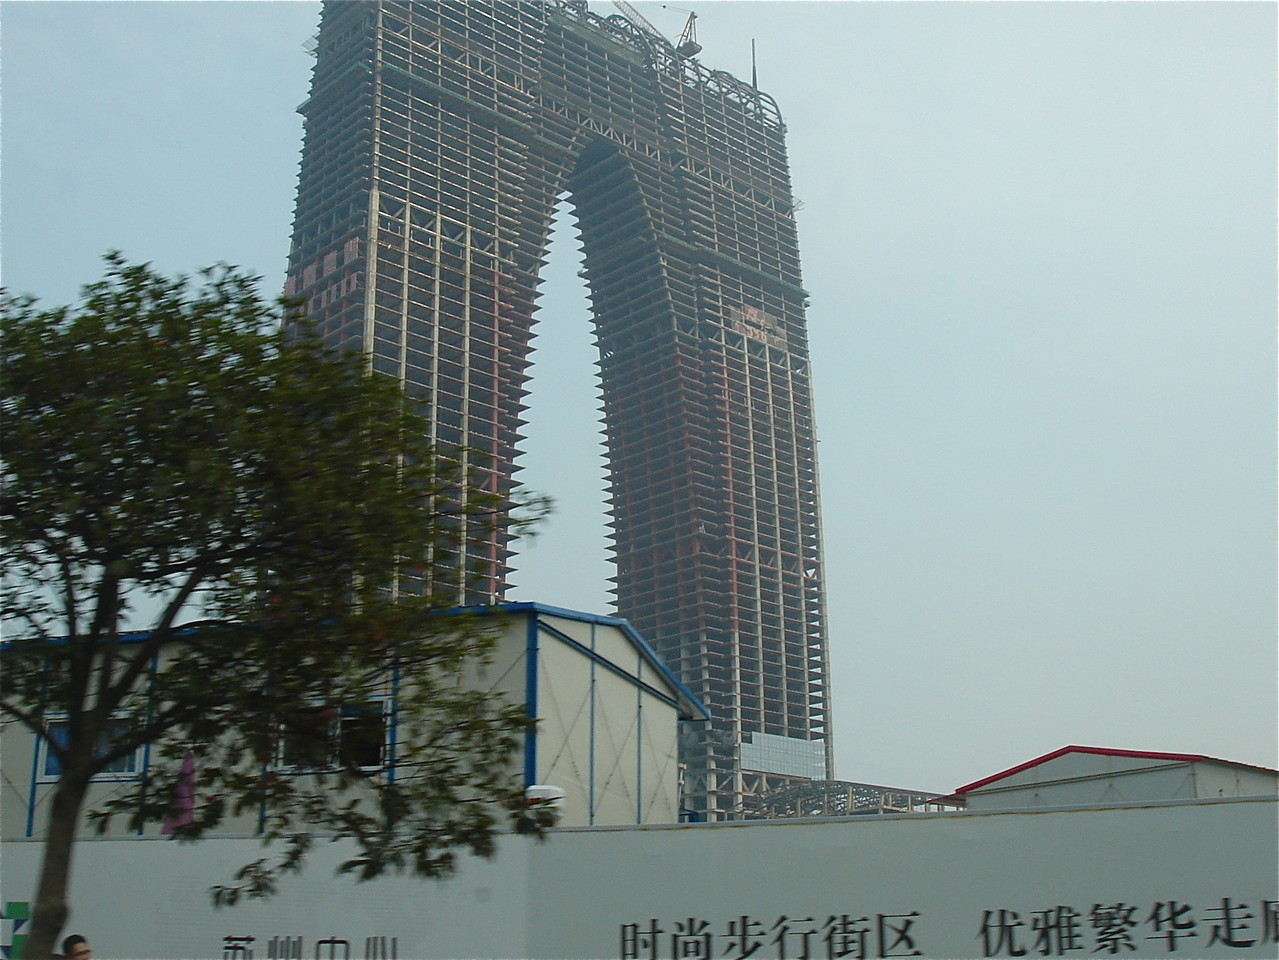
1173	880
1177	880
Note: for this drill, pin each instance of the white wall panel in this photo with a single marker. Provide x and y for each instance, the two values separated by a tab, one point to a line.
770	888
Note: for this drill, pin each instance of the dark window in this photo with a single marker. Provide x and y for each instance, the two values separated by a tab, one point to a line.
353	735
362	735
307	738
60	729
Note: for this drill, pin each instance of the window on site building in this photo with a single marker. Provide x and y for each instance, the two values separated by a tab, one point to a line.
306	738
362	735
353	735
59	730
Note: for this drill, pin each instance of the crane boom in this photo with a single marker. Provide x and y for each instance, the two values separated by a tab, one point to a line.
637	18
687	46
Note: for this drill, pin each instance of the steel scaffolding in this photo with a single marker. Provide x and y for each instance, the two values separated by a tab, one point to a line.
439	136
841	798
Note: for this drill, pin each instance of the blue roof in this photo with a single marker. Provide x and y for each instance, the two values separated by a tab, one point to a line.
693	704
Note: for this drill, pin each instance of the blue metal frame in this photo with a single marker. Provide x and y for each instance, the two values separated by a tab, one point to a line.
640	685
688	706
590	783
530	701
146	747
695	709
610	665
37	748
393	723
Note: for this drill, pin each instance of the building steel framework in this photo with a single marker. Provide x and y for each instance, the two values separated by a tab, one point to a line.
841	798
439	137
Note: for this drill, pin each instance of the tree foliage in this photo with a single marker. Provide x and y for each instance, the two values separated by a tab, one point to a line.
274	518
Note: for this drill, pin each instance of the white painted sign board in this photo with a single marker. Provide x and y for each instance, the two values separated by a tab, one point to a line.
1189	879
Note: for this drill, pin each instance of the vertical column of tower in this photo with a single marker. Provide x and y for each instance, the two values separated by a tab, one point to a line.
328	254
764	565
660	452
693	266
661	442
449	212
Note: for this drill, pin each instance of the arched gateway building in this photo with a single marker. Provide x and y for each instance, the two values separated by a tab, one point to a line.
439	137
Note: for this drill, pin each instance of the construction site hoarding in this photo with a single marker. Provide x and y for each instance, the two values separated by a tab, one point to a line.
1173	879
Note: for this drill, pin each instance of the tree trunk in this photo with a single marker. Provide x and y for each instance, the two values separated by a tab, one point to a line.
51	909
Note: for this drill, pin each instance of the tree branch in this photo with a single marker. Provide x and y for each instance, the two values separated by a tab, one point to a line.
32	719
104	639
72	611
162	633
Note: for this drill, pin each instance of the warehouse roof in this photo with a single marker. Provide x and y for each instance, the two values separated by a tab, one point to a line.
1105	752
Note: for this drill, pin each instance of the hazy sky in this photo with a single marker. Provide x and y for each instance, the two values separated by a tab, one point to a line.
1040	243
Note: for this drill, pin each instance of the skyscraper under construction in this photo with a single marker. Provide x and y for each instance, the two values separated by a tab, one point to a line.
439	137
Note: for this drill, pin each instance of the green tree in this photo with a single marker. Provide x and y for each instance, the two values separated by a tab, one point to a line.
277	516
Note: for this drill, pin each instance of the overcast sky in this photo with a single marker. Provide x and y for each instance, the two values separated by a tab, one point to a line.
1040	243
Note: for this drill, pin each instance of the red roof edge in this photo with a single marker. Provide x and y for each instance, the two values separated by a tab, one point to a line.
1101	751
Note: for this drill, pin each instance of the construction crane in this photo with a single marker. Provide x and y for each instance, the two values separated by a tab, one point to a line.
687	46
637	18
